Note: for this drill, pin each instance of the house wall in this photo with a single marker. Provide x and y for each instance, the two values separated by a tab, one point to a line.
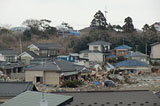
91	48
52	78
118	52
155	51
5	99
31	75
99	57
26	60
83	55
2	57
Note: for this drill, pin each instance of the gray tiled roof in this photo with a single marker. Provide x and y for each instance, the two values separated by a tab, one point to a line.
8	65
32	54
55	65
11	89
8	52
47	45
99	43
31	98
113	98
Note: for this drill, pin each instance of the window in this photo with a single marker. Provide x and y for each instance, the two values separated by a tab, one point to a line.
85	55
39	79
121	52
95	48
44	53
10	58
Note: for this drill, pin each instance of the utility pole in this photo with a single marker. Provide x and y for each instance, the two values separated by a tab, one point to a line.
20	41
146	48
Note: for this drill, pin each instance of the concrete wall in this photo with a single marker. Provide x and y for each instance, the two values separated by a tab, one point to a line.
155	51
52	78
31	75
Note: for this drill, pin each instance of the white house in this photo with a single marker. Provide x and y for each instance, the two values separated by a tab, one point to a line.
8	55
97	51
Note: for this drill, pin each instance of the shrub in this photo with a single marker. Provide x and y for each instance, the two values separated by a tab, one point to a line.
71	84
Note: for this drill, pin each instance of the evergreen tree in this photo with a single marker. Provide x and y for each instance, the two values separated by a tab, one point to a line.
128	26
99	20
146	28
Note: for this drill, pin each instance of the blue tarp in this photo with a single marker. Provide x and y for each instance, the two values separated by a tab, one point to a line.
96	83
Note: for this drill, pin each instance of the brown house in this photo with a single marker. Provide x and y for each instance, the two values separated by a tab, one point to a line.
121	50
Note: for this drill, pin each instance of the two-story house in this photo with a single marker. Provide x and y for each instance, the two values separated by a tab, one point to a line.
121	50
97	51
155	52
45	49
8	55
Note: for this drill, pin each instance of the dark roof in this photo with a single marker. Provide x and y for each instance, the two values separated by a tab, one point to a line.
47	45
11	89
131	63
123	47
99	43
8	65
55	65
113	98
31	98
32	54
136	54
156	43
8	52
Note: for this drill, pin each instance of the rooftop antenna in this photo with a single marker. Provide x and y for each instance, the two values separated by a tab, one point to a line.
105	11
43	101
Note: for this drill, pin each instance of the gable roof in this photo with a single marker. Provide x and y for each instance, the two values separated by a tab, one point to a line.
31	98
131	63
55	65
99	43
123	47
113	98
8	52
12	89
47	45
136	54
32	54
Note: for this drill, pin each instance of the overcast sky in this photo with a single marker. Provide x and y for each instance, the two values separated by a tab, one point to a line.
79	13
